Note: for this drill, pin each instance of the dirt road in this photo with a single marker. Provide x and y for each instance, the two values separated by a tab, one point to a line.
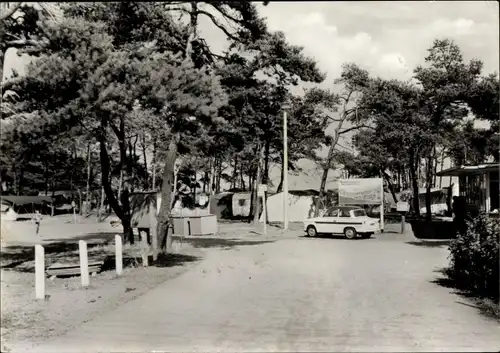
297	294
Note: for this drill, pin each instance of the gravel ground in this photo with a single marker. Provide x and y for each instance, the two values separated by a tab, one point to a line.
26	320
296	294
67	304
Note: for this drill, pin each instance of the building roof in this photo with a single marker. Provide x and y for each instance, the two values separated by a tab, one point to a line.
25	200
470	169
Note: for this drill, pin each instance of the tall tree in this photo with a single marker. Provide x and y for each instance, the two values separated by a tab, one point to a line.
96	84
446	84
354	80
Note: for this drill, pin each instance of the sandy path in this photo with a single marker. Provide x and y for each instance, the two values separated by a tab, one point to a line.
296	295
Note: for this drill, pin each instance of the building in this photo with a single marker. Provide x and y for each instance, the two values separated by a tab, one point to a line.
478	184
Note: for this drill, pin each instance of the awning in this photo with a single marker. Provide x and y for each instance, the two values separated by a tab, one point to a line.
25	200
470	169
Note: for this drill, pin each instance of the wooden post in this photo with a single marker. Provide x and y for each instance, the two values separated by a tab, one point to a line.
84	263
403	221
118	255
145	249
39	272
152	230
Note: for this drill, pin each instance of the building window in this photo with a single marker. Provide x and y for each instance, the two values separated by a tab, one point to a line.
242	202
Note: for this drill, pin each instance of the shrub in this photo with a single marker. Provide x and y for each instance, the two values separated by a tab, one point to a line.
474	257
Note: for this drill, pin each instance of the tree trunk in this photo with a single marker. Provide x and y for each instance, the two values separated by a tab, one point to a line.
250	178
428	186
20	182
219	175
166	194
46	177
235	173
120	183
414	181
390	185
282	177
108	190
213	178
258	180
265	175
205	178
435	165
324	177
442	165
87	195
242	177
144	148
2	52
251	185
194	186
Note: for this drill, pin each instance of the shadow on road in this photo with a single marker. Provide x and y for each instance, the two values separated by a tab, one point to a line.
486	307
219	242
430	244
339	237
168	260
67	249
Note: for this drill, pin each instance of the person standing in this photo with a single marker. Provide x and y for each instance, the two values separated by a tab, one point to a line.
38	219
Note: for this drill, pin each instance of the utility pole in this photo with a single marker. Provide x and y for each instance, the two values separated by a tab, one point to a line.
285	107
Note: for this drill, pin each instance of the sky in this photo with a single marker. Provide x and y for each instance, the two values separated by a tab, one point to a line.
388	38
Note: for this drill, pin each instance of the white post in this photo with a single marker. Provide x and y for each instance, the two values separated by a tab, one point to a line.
265	213
118	255
285	172
84	263
39	272
382	207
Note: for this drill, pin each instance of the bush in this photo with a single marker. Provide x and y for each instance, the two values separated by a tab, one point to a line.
474	256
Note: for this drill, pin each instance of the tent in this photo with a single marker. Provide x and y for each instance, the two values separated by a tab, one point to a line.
220	205
439	199
300	206
241	204
8	213
27	203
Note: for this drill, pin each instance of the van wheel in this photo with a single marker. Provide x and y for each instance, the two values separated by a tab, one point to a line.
311	231
350	233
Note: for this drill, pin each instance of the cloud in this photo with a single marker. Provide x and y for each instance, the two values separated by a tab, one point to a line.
389	39
331	49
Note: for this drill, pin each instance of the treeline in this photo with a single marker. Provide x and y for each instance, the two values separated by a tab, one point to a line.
118	92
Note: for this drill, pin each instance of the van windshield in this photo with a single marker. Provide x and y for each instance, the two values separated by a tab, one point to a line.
359	213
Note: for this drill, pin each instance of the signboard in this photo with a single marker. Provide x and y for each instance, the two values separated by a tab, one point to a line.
367	191
402	206
261	189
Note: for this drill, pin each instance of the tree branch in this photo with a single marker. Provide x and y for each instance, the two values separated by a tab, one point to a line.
217	24
225	14
22	43
356	128
11	11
